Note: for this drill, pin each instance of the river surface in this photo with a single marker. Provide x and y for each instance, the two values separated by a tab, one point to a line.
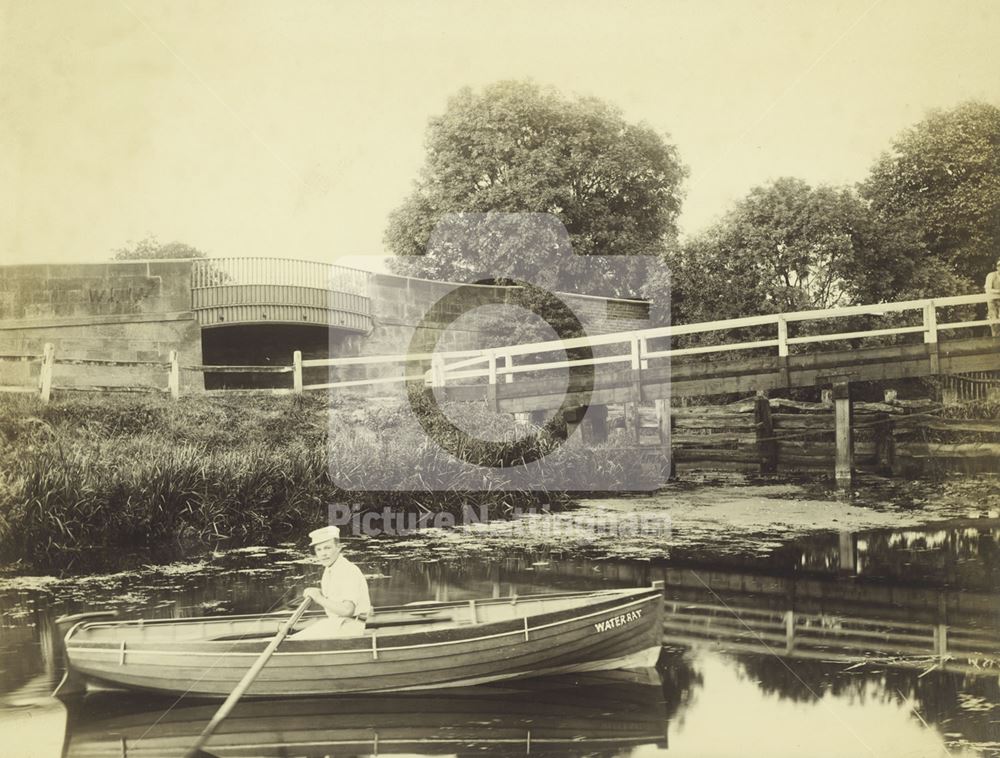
921	558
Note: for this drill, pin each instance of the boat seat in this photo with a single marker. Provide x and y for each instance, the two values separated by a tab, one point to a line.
373	623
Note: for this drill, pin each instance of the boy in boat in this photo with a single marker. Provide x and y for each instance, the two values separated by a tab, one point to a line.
343	591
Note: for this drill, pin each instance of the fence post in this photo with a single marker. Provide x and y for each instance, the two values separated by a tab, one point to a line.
45	374
492	357
437	371
508	363
664	419
491	387
930	323
297	372
783	351
633	421
782	337
931	336
789	631
174	376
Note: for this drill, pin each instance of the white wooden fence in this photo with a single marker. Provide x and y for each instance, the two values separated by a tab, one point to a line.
634	349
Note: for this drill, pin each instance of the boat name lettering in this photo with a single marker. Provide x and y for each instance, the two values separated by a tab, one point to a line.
611	623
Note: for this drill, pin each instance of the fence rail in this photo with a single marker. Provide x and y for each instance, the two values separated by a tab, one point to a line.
636	349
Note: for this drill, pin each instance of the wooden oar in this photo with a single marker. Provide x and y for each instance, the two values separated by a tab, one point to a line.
247	680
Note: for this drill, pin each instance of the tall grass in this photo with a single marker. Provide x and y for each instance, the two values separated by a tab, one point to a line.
105	474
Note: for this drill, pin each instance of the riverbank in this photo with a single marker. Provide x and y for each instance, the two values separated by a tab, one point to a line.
89	474
90	477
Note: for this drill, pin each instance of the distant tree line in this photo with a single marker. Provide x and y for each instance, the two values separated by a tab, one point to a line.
924	222
150	248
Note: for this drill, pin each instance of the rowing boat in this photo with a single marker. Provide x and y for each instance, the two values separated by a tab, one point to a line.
600	714
412	647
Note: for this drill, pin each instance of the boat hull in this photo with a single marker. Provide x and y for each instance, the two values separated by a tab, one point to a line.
601	631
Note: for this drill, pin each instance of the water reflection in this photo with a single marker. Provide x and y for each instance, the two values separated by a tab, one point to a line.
606	713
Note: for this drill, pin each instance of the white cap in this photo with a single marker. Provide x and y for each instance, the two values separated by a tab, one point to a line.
323	534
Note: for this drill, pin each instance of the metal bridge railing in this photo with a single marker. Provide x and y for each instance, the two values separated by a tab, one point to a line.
222	272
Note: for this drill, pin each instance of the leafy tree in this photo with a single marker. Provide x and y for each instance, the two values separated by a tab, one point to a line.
515	148
943	176
786	247
150	248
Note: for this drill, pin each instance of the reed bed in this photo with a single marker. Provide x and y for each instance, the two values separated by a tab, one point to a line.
104	474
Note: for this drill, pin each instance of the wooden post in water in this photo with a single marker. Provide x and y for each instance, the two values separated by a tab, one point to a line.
844	467
941	641
45	373
789	632
845	543
767	446
885	444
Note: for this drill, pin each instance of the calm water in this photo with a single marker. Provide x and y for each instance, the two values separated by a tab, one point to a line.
918	555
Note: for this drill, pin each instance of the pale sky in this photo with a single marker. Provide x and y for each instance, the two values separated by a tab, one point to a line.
293	128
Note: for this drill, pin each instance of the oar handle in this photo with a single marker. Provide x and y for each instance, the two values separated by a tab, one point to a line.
240	689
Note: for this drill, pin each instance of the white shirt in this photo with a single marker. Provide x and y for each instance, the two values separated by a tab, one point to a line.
344	581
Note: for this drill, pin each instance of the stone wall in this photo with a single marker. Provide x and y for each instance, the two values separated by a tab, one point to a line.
118	311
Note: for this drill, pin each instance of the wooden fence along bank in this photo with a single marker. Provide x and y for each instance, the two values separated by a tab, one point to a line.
639	368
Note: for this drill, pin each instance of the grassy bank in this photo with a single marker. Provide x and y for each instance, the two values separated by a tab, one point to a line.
103	474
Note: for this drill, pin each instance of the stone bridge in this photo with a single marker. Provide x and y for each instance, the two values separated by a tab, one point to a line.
226	311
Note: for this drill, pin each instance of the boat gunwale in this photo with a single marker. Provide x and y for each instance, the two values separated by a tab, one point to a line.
110	647
422	607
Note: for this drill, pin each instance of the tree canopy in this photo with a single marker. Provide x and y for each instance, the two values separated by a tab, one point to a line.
516	147
150	248
788	246
943	176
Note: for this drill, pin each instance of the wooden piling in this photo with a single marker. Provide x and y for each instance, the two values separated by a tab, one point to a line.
844	467
885	444
767	445
847	552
